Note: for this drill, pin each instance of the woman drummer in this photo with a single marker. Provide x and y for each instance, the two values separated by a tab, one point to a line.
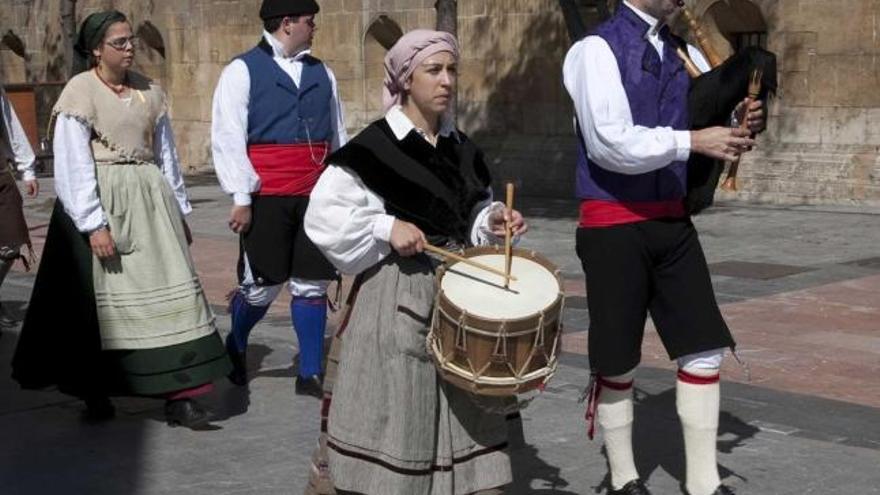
408	179
117	307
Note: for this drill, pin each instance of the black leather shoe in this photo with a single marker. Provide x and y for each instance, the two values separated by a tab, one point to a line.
634	487
186	412
98	409
723	490
310	386
238	375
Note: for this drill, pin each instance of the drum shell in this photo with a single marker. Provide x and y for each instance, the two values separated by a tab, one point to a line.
498	357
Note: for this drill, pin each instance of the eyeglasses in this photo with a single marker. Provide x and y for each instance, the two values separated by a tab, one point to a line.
122	43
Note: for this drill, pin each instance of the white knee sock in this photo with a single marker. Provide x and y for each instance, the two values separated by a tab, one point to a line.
698	400
614	413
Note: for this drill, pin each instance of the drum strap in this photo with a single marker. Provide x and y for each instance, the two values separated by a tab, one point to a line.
349	302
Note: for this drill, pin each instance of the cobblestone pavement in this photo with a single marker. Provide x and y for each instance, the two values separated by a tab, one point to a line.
799	286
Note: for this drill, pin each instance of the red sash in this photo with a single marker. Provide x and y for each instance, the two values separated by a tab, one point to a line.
601	213
288	169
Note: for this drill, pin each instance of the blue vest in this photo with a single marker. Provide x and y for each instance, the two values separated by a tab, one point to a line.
657	92
279	112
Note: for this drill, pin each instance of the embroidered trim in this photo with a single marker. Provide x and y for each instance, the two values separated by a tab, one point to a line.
415	472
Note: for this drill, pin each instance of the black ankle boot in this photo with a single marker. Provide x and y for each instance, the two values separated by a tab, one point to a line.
98	409
634	487
186	412
721	490
309	386
238	375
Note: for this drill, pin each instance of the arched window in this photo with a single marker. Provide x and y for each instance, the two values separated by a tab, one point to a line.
12	59
380	36
150	55
740	22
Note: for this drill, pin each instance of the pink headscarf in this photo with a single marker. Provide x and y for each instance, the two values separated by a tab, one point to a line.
411	50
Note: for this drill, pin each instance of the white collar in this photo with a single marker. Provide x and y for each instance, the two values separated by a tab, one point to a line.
278	50
651	20
401	125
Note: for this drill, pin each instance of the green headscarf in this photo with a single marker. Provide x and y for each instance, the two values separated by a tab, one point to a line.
91	33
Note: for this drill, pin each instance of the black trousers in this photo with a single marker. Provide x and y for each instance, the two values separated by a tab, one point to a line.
654	266
276	244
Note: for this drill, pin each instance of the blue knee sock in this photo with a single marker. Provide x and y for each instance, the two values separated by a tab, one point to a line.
309	316
244	317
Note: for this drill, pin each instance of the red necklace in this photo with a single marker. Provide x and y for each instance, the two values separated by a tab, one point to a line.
118	89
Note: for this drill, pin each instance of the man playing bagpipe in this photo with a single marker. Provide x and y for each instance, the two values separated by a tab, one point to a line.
638	247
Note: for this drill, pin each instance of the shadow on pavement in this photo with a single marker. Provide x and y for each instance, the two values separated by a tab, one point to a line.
48	448
528	468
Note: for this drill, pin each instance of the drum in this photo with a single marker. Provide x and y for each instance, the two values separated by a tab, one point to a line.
495	341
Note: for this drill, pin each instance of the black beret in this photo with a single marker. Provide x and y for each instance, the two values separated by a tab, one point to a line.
281	8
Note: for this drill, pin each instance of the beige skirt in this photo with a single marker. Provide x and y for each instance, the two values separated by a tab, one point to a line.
394	427
149	295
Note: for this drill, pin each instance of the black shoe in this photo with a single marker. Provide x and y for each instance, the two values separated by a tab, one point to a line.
721	490
98	409
238	375
310	386
634	487
186	412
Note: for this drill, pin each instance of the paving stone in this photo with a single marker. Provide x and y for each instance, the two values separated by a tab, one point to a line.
806	423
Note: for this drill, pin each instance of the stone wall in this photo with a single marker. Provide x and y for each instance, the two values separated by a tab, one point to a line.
823	140
821	146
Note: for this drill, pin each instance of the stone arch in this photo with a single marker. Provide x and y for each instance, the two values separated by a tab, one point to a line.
150	56
381	34
13	58
733	24
740	22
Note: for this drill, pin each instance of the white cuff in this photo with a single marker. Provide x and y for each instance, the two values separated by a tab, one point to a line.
481	235
241	199
186	208
682	145
382	227
93	222
28	175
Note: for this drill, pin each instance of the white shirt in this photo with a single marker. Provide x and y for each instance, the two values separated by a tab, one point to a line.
348	222
229	121
18	141
75	182
613	141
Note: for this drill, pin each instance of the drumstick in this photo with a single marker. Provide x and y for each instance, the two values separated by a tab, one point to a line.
508	254
466	261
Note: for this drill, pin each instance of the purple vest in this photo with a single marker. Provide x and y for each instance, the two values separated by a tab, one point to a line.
657	93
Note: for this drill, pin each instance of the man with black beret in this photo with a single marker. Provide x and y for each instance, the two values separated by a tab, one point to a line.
276	117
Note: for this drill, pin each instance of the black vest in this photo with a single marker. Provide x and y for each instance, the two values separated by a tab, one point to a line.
434	188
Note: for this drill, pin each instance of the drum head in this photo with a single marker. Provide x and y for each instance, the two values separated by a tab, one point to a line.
481	293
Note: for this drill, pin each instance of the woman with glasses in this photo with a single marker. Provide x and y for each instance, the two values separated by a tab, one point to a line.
117	307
